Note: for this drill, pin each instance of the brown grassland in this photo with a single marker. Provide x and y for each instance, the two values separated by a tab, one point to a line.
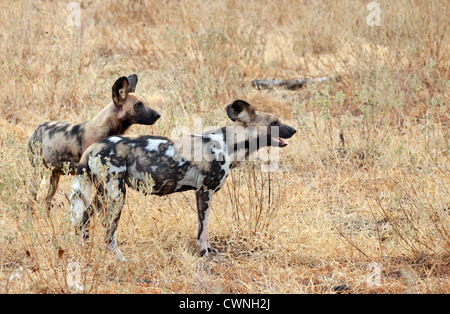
371	213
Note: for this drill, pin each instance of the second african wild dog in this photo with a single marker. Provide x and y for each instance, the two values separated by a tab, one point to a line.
197	162
57	143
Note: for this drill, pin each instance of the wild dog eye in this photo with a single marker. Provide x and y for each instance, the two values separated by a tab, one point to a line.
274	123
138	105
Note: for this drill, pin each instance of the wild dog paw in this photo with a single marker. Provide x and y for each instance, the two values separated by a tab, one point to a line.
119	255
209	250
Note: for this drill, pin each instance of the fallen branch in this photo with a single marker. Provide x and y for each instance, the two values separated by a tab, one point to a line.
290	84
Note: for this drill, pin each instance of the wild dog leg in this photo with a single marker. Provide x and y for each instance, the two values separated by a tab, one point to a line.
115	191
79	204
54	180
203	207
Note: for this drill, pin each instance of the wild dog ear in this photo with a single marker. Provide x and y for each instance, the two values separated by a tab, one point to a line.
132	80
240	111
120	90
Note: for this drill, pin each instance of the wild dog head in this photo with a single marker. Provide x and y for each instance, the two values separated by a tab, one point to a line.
264	128
131	109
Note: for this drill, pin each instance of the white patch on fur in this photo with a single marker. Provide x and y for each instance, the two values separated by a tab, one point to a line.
192	178
215	148
95	164
112	187
170	151
76	185
243	116
81	195
114	169
77	209
114	139
153	144
215	137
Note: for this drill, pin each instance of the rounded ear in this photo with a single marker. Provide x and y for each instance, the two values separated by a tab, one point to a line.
120	90
240	111
132	80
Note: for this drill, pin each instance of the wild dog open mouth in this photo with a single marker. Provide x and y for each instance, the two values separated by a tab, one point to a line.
278	142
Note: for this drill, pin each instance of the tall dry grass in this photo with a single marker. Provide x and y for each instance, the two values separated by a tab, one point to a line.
365	179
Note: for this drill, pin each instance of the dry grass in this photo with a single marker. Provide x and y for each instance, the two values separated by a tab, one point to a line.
383	196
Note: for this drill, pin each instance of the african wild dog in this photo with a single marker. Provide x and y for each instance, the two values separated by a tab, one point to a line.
197	162
58	143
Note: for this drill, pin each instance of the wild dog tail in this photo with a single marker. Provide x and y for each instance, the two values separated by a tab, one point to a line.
35	154
35	145
81	190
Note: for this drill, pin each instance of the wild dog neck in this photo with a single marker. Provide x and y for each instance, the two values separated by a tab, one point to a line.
104	124
234	143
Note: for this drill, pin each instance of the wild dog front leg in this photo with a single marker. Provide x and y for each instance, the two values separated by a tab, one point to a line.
203	207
